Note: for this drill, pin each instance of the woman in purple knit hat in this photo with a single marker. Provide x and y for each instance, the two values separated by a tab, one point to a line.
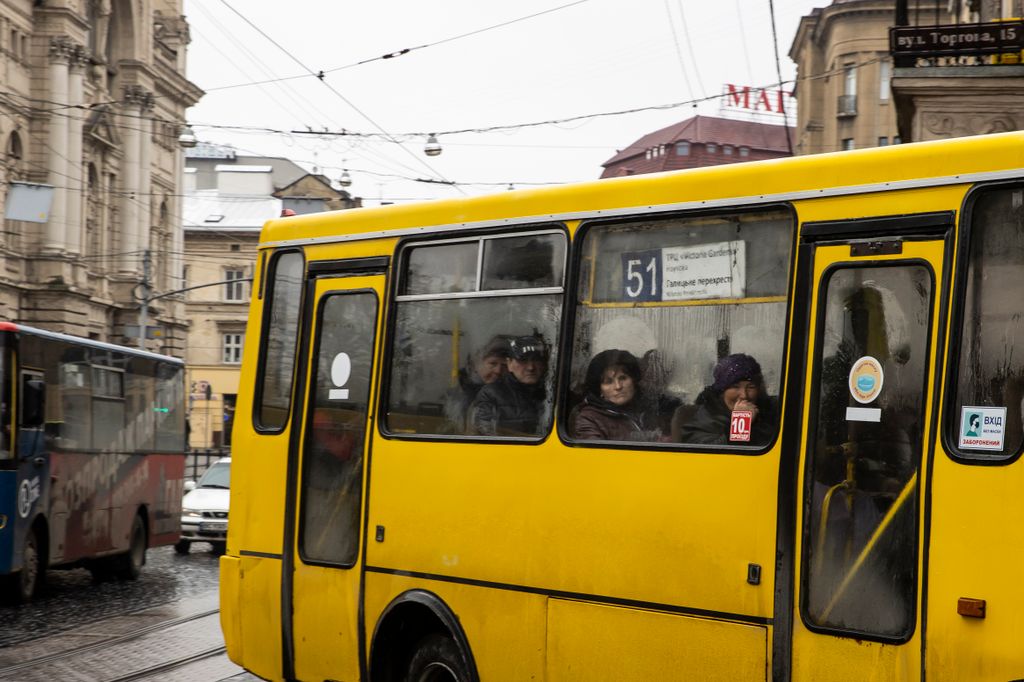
738	385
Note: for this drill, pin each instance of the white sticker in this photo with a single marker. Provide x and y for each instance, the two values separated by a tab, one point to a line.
863	414
866	379
982	428
341	370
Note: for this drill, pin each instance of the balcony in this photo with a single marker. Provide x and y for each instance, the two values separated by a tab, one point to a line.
846	106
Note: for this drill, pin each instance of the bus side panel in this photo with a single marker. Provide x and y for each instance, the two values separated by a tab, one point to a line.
252	615
976	552
505	629
8	520
594	641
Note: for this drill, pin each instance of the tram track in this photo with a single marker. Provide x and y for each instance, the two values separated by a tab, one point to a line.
17	671
168	666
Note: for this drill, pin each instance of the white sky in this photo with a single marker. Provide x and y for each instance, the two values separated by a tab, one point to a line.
589	56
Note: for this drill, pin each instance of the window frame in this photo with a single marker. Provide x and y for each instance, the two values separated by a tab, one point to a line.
234	277
950	415
265	319
814	369
402	249
569	332
226	346
375	375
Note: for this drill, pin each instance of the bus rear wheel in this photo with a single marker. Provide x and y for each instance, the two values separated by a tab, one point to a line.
437	659
128	566
24	584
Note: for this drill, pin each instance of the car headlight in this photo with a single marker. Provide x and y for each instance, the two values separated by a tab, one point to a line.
191	513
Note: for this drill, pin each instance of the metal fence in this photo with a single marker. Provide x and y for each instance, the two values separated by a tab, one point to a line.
197	461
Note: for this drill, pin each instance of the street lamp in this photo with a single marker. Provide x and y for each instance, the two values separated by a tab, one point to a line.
345	180
187	138
433	147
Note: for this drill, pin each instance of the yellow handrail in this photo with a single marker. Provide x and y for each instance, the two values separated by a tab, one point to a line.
904	495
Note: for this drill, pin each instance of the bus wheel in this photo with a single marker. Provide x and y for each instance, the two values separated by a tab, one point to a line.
437	659
182	546
129	565
24	584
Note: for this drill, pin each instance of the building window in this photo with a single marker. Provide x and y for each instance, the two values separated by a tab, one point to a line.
848	144
727	149
682	148
883	141
711	147
884	74
233	348
896	139
744	151
849	79
234	287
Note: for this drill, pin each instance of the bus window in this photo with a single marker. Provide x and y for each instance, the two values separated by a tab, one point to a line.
281	329
333	457
476	334
683	309
987	415
860	548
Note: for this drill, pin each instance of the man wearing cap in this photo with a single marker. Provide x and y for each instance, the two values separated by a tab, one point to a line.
515	403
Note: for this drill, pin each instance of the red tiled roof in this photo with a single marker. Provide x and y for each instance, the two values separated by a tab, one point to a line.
700	129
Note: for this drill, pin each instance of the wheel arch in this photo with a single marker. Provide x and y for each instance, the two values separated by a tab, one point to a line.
409	617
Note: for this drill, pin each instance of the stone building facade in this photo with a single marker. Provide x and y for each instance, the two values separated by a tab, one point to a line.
93	104
844	70
852	93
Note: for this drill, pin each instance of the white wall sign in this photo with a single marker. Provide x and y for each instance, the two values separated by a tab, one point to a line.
982	428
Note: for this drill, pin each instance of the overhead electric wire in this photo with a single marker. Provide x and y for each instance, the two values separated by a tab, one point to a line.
679	51
406	50
340	96
689	46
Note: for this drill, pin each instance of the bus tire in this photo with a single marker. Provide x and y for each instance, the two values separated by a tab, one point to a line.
437	658
218	547
182	546
129	565
25	584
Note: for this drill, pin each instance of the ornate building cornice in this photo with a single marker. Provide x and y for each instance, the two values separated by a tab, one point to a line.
138	96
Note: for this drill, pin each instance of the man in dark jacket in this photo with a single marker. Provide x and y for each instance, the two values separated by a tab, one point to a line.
515	404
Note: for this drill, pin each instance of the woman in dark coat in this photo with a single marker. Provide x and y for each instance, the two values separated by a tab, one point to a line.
738	385
611	408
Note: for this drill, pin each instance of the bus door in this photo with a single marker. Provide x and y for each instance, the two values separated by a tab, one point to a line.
871	354
334	450
33	479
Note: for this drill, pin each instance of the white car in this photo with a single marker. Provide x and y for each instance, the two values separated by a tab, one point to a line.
204	509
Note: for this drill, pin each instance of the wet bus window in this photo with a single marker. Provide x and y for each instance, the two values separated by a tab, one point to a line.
476	333
860	548
676	317
985	421
281	329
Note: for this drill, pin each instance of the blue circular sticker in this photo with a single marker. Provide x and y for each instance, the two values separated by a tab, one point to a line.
866	379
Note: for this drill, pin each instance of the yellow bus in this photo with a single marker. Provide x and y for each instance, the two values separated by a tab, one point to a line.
756	421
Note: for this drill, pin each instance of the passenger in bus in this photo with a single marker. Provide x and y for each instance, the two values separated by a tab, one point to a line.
515	403
485	367
738	385
612	408
655	372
